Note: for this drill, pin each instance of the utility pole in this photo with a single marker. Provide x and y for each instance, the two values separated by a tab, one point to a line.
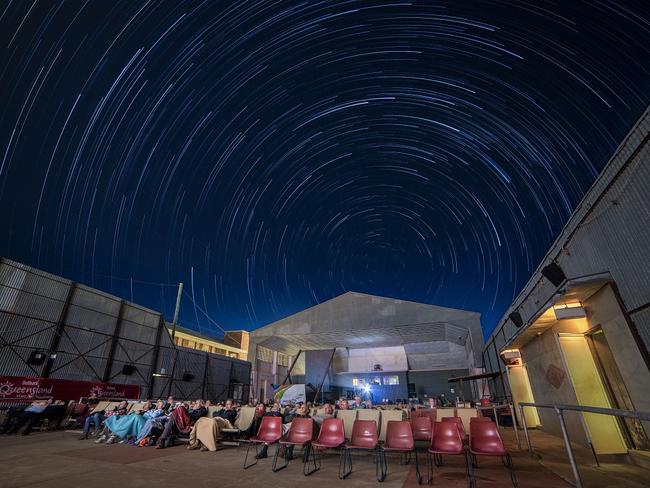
174	321
177	310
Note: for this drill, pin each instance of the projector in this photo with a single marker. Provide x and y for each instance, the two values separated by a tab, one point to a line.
376	367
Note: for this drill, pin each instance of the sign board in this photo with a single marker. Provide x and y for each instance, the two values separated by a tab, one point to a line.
290	394
28	388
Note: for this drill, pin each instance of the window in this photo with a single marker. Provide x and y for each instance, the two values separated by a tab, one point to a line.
391	380
355	381
376	380
185	343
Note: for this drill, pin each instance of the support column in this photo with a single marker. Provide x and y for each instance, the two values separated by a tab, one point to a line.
58	332
154	358
111	353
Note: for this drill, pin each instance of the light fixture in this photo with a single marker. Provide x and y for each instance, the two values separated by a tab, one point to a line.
569	310
366	388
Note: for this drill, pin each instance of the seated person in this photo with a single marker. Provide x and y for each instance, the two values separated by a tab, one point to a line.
327	413
17	418
119	409
125	426
95	416
181	420
151	417
274	412
206	431
300	412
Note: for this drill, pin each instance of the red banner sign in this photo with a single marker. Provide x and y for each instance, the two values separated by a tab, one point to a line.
22	387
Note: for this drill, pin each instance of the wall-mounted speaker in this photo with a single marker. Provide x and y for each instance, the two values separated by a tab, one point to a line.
188	376
516	319
37	357
554	273
128	369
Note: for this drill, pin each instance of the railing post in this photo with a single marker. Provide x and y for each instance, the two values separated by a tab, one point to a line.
569	450
496	419
514	425
523	423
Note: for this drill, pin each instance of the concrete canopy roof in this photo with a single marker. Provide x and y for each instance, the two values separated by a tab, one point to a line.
357	320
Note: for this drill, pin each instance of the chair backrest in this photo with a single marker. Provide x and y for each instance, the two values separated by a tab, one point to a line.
388	416
80	409
100	406
459	424
399	435
447	439
348	417
484	438
301	430
331	433
364	434
245	418
212	409
137	406
466	414
422	428
270	429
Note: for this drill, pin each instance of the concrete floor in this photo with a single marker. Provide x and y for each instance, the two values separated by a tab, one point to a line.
58	459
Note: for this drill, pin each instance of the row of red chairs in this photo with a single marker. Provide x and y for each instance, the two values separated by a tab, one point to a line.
447	437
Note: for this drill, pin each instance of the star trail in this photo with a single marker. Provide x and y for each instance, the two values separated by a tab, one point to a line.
272	155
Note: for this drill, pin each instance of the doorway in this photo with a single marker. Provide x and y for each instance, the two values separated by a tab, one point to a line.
615	388
604	431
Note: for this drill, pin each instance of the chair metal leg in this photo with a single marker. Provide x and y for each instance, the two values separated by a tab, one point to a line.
381	466
417	467
275	466
345	460
471	482
310	457
429	468
507	462
246	466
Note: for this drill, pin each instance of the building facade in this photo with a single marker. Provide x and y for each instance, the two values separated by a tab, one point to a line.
381	347
579	331
234	345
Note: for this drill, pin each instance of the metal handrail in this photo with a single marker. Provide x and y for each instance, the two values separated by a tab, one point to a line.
559	410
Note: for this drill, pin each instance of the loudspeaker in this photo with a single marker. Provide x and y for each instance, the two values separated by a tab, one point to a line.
377	367
128	369
554	274
188	376
516	319
37	357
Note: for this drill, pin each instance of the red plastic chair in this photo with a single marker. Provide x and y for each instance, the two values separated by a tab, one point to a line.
300	434
446	442
270	432
461	427
422	428
331	436
399	438
364	437
432	413
485	440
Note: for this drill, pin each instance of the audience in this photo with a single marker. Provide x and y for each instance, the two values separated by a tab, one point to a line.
17	418
205	433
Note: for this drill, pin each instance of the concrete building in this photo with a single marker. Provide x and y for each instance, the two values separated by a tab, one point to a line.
579	331
233	345
395	348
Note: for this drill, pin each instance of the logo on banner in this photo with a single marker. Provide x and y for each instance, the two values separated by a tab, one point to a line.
29	388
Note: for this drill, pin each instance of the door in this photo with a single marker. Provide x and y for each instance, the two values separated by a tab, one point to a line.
615	388
604	430
522	392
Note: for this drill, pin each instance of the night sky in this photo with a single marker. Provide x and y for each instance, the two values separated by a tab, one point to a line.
273	155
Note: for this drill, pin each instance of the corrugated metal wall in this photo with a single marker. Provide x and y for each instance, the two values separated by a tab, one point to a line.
94	335
608	233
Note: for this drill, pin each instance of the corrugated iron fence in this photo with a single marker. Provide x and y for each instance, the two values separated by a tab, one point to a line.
51	327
